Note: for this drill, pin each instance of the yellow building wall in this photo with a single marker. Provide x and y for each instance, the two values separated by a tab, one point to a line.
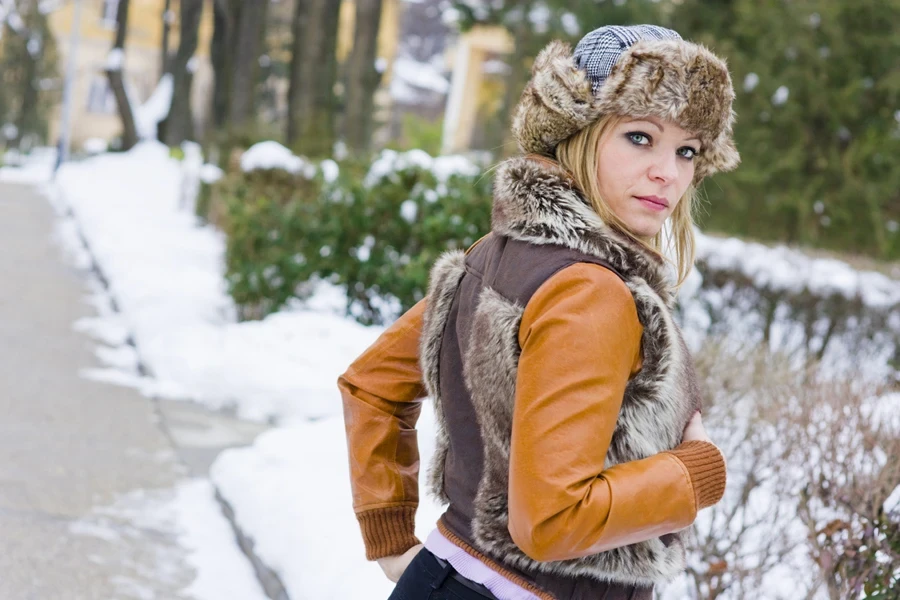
467	90
388	32
142	66
142	57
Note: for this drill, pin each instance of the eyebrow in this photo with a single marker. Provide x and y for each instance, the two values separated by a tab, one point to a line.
653	122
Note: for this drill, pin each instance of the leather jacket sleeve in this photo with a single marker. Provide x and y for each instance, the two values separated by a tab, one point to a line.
581	340
381	393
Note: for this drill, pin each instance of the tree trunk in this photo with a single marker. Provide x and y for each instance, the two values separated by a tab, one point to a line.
312	83
117	80
179	125
166	27
27	93
362	76
298	64
248	47
28	116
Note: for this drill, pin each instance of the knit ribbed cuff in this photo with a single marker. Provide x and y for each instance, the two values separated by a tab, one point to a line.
388	531
706	467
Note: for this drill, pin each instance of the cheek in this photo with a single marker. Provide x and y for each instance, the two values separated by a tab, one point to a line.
685	179
617	171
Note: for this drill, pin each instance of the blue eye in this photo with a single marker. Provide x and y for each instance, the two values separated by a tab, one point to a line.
692	153
635	136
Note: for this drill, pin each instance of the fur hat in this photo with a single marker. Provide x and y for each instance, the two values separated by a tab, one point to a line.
636	71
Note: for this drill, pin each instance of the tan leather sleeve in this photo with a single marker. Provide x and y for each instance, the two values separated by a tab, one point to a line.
381	393
580	338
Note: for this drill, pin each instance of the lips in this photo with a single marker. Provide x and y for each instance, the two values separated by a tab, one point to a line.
654	202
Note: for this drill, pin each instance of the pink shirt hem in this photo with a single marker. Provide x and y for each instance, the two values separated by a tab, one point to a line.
473	569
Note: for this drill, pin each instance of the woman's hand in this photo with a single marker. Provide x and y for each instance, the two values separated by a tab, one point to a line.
695	431
393	566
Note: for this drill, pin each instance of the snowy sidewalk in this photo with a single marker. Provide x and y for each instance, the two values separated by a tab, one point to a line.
94	502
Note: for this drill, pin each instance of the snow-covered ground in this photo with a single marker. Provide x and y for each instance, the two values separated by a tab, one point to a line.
290	490
176	527
166	275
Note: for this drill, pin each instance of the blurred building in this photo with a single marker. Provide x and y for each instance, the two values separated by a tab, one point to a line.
429	70
94	113
94	109
476	88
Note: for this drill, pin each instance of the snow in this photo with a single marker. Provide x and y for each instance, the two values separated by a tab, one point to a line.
784	269
222	571
570	24
34	45
272	155
166	275
95	146
299	511
420	75
210	173
780	96
10	131
408	210
155	109
750	82
14	20
892	504
177	528
330	170
389	162
539	17
114	59
35	167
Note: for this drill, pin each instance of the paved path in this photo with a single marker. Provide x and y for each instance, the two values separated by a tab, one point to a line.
82	463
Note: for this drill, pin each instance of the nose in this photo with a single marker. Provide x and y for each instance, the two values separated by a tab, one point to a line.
664	169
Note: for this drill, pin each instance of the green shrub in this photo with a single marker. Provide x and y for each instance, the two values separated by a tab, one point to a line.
374	230
393	228
270	220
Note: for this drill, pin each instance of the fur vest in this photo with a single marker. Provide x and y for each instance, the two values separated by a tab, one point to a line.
536	203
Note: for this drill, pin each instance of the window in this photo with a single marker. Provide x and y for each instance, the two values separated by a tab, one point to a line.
100	97
110	12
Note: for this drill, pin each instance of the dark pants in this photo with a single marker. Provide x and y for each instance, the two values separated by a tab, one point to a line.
426	579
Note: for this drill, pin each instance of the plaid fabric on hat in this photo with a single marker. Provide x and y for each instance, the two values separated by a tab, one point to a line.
599	50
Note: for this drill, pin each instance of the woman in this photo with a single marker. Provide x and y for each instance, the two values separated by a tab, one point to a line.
570	452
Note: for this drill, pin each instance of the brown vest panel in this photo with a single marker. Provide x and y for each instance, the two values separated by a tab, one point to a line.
515	270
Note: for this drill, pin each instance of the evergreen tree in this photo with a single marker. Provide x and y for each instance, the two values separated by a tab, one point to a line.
818	88
28	68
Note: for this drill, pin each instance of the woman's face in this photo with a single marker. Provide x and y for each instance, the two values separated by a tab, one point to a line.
644	168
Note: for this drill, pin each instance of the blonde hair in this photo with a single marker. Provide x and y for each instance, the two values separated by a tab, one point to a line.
578	155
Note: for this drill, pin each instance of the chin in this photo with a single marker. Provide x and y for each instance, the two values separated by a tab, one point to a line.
646	231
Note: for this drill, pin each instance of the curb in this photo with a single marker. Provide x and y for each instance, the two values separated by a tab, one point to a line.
268	579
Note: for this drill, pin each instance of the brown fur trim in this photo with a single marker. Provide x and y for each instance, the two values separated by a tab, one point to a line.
446	274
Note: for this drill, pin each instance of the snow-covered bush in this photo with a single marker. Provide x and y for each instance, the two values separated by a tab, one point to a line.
373	229
811	464
272	221
820	308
